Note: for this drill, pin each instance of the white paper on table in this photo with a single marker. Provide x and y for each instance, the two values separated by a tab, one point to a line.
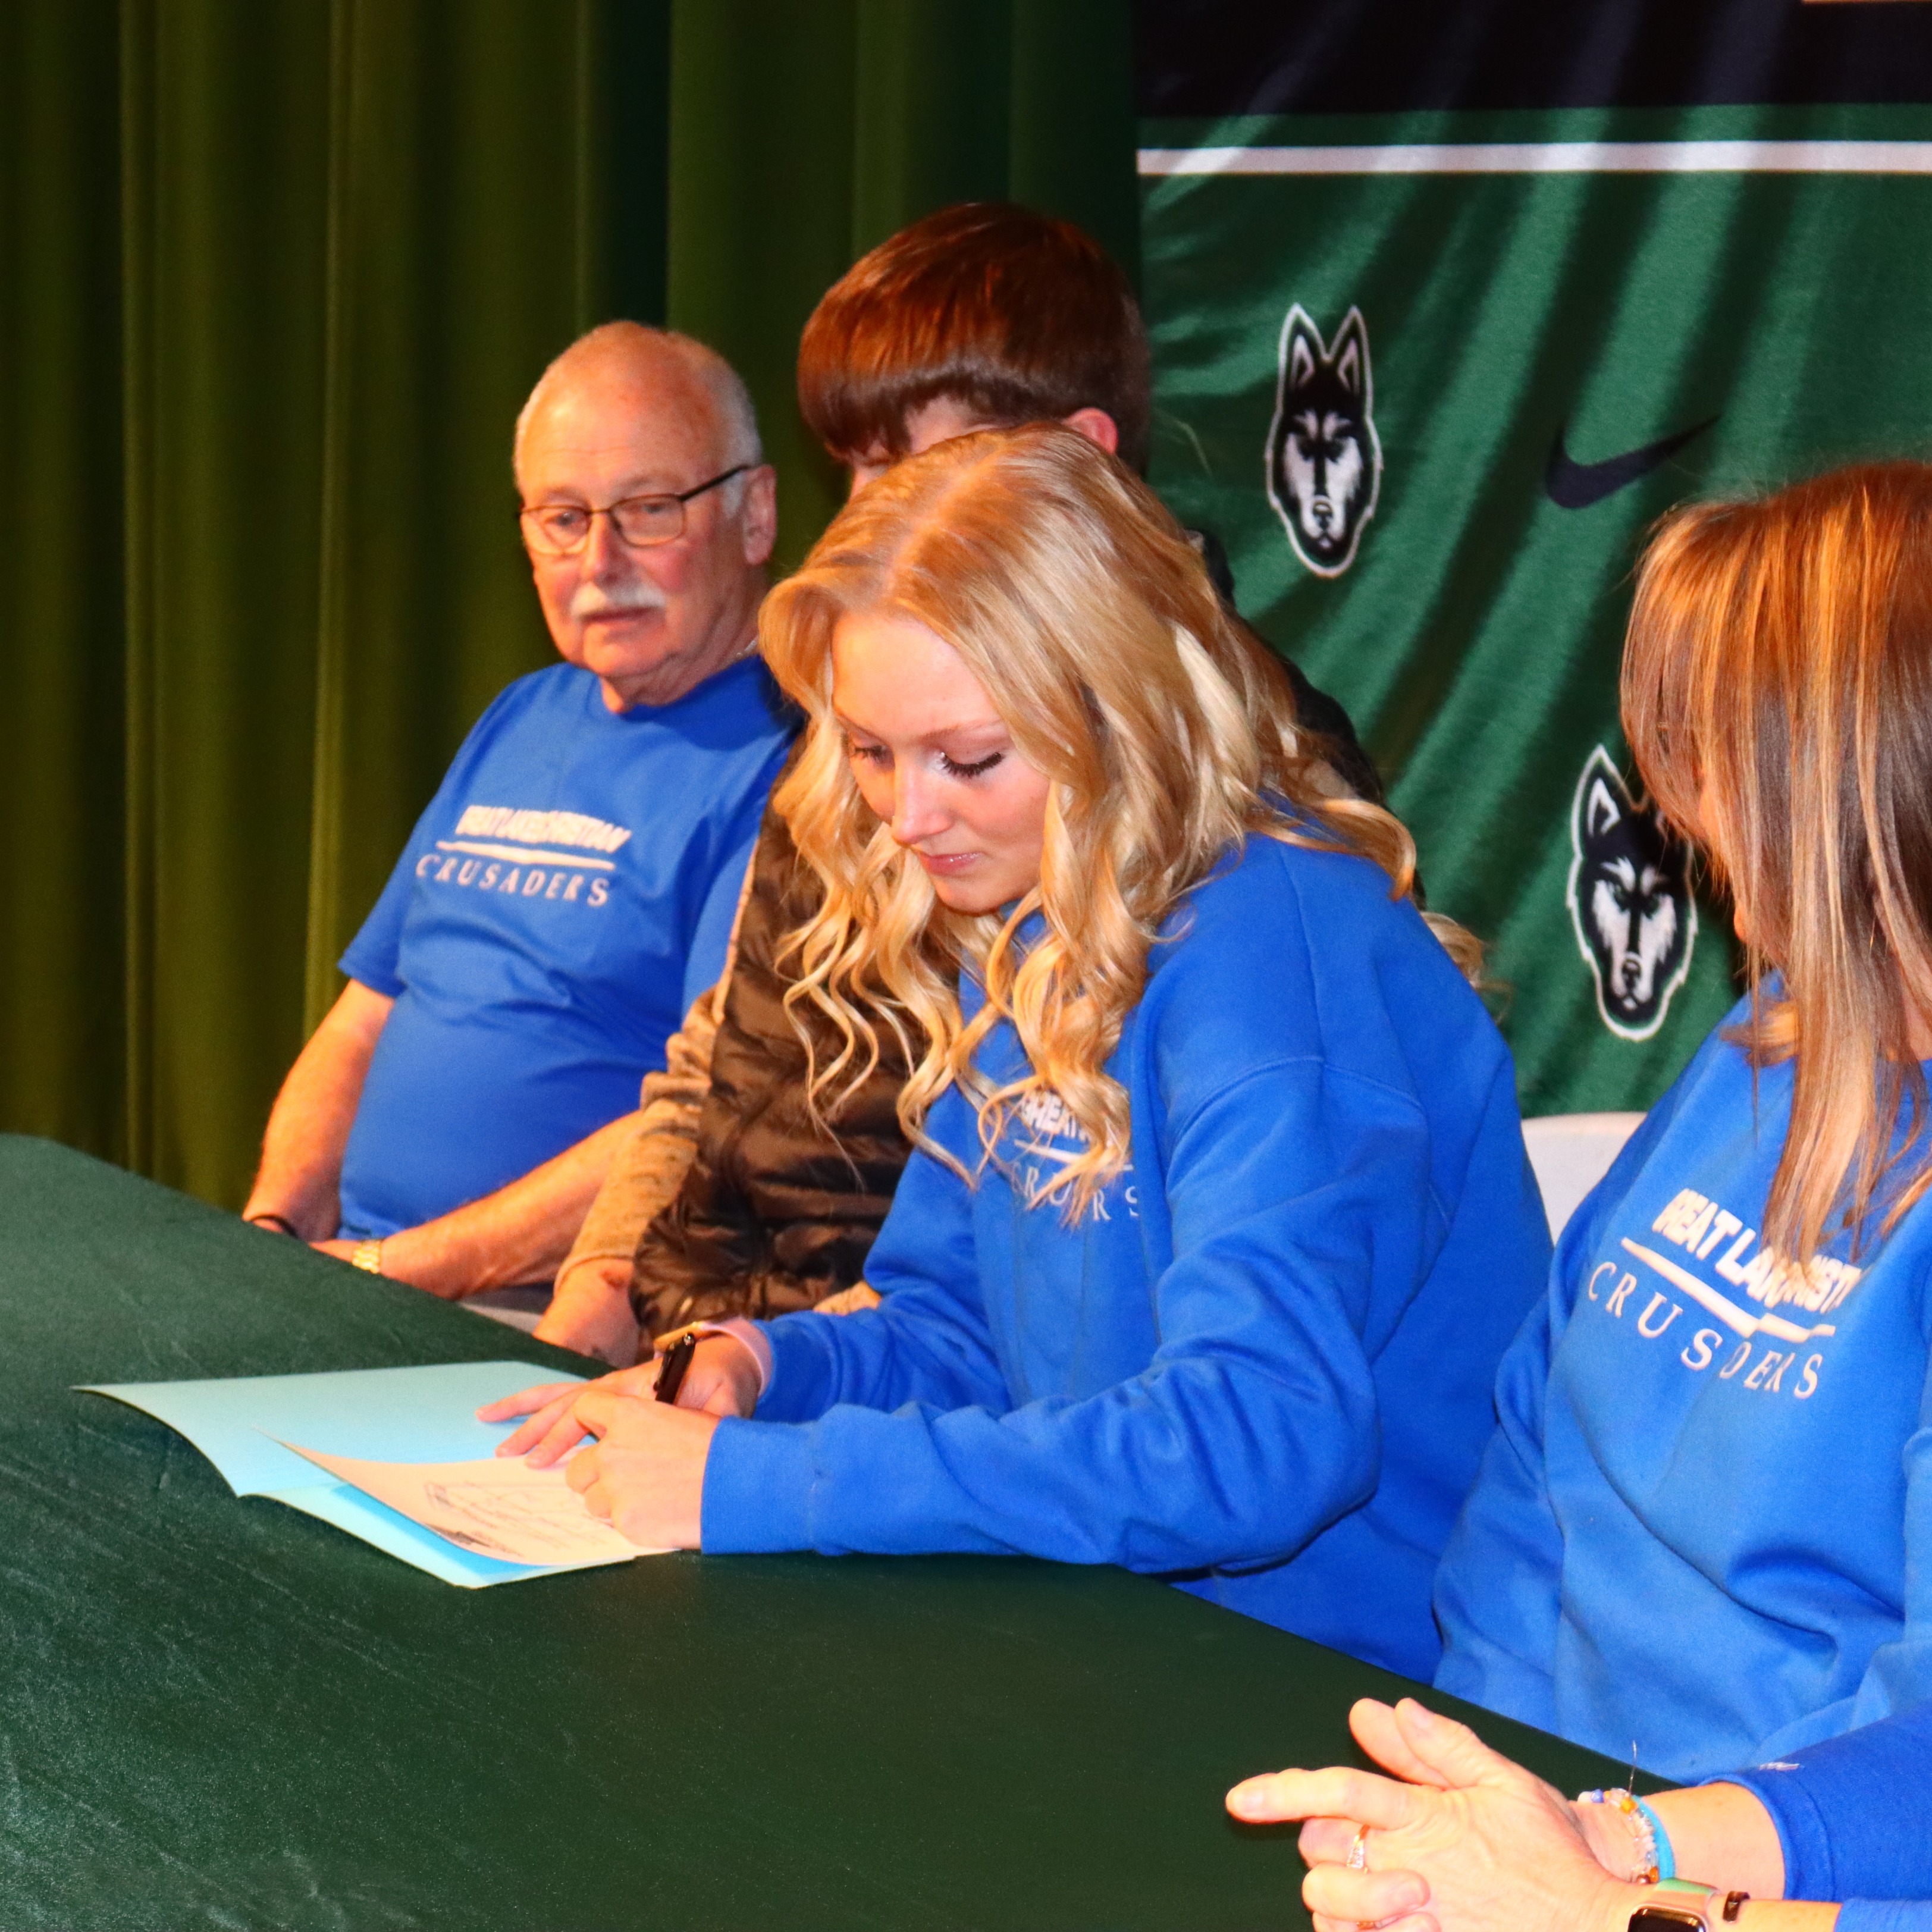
499	1508
423	1414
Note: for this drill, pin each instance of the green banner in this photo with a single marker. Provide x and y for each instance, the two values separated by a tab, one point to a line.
1432	374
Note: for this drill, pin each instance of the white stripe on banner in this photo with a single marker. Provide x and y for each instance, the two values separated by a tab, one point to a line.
1555	157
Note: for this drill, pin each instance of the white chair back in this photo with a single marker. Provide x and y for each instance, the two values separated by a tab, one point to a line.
1570	1153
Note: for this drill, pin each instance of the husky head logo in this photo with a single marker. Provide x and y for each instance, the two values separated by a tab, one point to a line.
1630	900
1325	460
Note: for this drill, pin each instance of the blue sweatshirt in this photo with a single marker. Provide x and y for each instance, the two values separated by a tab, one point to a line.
1262	1367
1695	1527
1855	1816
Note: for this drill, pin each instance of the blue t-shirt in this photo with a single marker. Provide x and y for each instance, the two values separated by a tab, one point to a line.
569	891
1263	1366
1703	1524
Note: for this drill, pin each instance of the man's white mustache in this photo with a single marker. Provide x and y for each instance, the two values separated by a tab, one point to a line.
591	600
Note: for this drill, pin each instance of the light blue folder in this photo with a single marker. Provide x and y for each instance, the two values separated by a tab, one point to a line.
387	1415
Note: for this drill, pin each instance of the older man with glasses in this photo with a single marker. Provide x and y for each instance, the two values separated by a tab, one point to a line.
572	885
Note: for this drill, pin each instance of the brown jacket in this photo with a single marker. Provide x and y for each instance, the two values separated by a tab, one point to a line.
774	1214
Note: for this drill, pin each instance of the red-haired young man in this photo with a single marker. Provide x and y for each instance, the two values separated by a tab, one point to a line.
732	1199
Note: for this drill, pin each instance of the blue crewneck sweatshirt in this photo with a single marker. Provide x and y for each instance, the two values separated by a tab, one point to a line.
1854	1813
1695	1528
1262	1365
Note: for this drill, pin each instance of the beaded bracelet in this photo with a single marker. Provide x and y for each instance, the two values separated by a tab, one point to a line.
1659	1839
1654	1860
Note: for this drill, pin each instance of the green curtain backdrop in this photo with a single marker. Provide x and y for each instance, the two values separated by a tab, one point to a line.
802	135
275	276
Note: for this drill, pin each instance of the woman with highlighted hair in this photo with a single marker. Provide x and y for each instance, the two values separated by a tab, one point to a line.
1706	1523
1220	1218
1695	1528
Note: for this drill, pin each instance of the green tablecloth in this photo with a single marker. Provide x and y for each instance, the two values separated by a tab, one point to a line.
223	1714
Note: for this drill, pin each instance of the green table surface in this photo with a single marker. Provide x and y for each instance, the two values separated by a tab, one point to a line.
223	1713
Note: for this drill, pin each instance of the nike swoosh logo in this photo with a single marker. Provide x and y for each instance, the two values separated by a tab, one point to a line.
1571	485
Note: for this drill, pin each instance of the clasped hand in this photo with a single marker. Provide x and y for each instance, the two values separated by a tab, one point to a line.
644	1470
1466	1841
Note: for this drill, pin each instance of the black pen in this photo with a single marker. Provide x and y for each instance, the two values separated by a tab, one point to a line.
677	1359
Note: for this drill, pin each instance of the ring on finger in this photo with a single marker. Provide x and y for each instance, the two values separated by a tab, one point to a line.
1358	1861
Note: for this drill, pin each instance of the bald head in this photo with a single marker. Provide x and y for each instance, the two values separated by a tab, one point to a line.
626	369
625	412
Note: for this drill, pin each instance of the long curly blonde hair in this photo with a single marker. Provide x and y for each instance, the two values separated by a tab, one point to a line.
1167	735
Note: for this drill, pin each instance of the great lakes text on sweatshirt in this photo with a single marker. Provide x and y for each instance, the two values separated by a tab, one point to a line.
1262	1365
1695	1529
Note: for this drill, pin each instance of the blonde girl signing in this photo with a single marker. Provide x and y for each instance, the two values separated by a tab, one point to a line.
1219	1220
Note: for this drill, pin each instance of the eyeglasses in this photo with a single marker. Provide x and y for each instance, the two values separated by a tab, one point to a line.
562	530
